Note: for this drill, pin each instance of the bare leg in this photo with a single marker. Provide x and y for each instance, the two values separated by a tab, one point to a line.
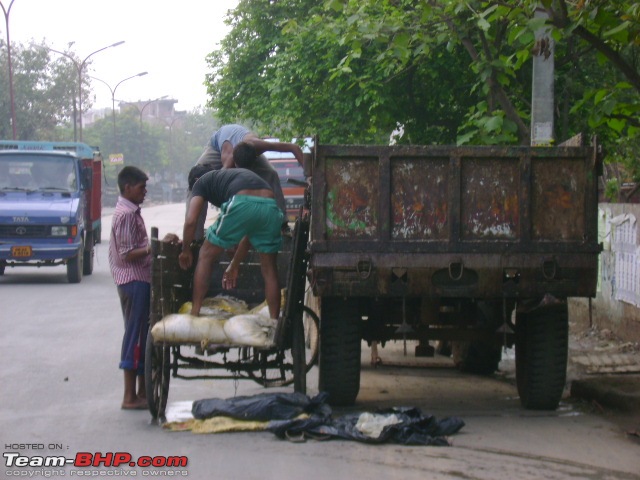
130	401
207	257
269	268
142	389
230	277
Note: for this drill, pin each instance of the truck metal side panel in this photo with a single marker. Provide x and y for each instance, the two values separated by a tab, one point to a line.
397	206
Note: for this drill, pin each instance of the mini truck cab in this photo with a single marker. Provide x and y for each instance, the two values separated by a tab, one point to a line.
50	205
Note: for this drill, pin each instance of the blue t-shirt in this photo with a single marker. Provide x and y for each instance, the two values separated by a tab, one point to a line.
232	133
218	186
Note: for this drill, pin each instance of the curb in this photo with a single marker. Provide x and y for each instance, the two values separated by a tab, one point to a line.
621	392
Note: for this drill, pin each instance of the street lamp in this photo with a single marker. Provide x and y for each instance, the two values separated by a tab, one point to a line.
80	66
6	12
113	102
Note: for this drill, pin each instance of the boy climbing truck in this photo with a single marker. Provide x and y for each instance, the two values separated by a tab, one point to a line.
474	247
50	205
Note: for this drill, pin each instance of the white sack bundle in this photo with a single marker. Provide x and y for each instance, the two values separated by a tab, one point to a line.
183	328
220	306
250	329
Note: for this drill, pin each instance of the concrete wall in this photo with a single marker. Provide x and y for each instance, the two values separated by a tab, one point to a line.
617	304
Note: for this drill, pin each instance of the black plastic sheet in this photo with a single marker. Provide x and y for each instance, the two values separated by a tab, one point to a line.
262	407
284	410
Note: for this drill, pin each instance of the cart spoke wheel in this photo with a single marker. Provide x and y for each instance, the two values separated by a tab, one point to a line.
156	371
275	368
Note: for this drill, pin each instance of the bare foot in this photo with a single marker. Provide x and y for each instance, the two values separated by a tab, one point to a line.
138	404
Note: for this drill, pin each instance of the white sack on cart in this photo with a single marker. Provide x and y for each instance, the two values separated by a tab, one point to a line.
220	306
183	328
253	330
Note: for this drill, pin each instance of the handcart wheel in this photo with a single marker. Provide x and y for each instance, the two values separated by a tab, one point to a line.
156	377
276	368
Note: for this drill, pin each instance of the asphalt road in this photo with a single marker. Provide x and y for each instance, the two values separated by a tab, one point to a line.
61	391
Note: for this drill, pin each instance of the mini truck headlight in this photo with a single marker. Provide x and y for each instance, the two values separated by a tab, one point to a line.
59	231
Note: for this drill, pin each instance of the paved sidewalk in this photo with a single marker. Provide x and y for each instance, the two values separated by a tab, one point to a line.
605	372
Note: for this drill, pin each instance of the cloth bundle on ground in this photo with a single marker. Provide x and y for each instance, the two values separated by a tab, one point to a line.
295	416
224	321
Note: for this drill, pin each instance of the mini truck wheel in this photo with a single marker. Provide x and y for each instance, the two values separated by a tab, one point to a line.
75	266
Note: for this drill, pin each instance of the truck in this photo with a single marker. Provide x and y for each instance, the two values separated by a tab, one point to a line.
50	205
473	248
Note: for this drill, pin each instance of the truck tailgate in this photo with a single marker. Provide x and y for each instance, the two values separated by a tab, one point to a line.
488	209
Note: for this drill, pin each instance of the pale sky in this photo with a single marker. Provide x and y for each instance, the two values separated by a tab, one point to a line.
168	39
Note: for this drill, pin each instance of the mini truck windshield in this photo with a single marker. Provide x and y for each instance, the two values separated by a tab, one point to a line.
50	173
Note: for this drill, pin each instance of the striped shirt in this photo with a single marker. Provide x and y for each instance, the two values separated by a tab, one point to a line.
128	232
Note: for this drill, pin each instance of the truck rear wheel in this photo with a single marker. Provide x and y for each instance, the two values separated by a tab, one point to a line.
75	268
340	345
542	338
89	254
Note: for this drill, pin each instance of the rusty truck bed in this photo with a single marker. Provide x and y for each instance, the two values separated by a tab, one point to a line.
454	221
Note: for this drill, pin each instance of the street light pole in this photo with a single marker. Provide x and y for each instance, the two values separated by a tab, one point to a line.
80	78
77	114
6	12
113	102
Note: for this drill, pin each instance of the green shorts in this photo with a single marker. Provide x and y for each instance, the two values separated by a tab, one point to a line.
258	218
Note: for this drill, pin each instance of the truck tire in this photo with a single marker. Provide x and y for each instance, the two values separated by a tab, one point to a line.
542	338
75	268
340	345
89	254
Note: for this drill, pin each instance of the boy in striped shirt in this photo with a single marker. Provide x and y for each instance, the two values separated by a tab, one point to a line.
130	263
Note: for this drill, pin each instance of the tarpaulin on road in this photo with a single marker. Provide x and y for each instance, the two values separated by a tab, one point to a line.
296	417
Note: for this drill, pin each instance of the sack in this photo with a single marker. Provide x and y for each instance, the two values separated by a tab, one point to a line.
220	306
253	330
185	328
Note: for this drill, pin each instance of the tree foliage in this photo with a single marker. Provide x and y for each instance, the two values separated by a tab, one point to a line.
446	70
43	88
45	95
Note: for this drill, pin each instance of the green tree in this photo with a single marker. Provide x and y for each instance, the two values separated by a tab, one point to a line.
43	89
344	68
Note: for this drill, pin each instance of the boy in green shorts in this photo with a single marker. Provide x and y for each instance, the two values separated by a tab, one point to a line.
249	216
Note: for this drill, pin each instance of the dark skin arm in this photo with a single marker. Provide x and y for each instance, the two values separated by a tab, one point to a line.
137	253
261	146
189	231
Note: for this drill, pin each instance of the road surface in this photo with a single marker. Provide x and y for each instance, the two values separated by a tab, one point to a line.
61	394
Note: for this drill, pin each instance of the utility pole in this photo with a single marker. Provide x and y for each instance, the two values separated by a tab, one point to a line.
542	96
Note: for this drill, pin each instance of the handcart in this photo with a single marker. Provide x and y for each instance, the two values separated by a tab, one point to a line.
295	349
